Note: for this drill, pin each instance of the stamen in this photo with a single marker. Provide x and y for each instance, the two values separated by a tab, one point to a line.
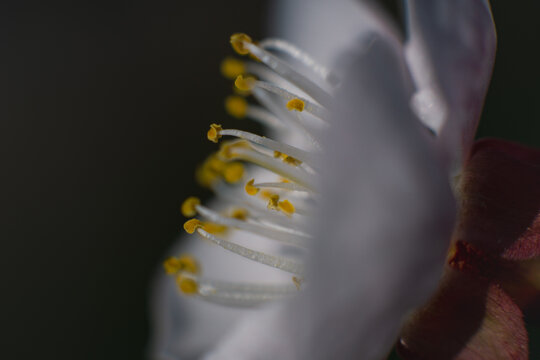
214	133
245	84
184	263
287	117
187	285
234	172
188	206
296	104
242	294
287	72
302	57
292	173
280	185
250	188
268	143
236	106
238	42
254	228
308	106
277	262
231	68
191	225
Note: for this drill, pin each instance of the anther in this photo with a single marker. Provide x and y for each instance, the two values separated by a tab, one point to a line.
231	67
191	225
236	106
286	207
250	189
273	202
237	43
214	133
296	104
189	205
244	84
172	265
240	214
187	285
233	172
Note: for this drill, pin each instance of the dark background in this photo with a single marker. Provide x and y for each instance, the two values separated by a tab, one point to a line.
103	113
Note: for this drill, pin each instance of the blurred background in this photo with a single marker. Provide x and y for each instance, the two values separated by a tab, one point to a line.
104	107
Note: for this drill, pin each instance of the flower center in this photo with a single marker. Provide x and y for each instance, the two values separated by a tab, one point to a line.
292	91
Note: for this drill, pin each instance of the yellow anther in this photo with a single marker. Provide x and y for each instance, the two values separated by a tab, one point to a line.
250	189
187	285
284	180
286	207
244	84
296	104
231	67
188	207
297	282
214	133
191	225
214	228
237	42
215	163
273	202
189	264
277	154
236	106
291	161
172	265
233	172
240	214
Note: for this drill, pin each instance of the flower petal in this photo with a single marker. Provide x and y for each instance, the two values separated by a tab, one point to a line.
501	200
451	51
467	319
326	28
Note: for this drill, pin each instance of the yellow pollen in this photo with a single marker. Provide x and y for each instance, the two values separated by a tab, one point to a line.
244	84
214	133
236	106
237	42
277	154
231	67
296	104
191	225
240	214
291	161
188	206
250	189
187	285
233	172
172	265
297	282
286	207
214	228
273	202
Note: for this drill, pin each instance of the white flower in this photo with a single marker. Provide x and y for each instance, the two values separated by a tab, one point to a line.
370	203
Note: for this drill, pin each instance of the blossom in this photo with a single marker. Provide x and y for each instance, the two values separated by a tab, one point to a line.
370	150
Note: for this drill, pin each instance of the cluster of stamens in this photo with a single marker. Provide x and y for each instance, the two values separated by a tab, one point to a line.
293	91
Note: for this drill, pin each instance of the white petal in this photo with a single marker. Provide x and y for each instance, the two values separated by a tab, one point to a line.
451	52
326	28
